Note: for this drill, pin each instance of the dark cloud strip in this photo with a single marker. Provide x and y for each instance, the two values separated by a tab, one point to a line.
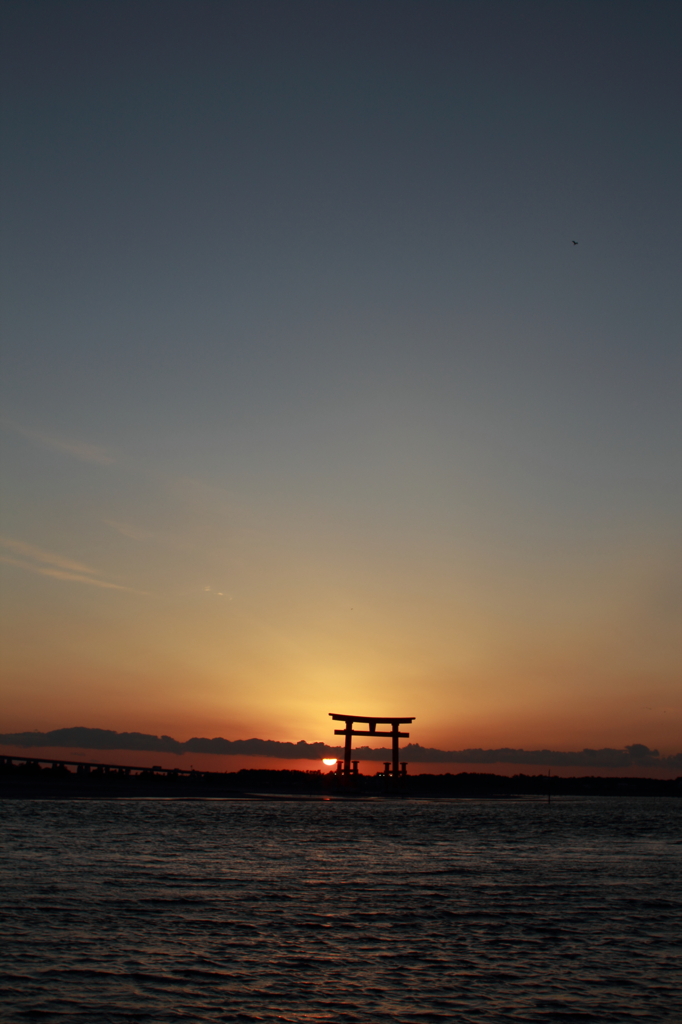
636	755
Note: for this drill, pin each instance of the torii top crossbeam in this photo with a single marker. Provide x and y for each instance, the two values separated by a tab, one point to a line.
371	730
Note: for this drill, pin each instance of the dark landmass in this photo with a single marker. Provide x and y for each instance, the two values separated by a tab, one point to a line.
30	780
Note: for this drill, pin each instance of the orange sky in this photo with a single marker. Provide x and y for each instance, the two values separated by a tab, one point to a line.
560	653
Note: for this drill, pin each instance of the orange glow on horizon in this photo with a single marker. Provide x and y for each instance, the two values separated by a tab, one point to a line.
236	762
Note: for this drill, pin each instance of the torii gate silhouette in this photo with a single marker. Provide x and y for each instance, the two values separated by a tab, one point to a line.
371	723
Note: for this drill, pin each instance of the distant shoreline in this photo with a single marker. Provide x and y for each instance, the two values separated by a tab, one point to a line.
29	781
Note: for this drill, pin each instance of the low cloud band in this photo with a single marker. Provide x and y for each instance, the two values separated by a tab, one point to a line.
636	755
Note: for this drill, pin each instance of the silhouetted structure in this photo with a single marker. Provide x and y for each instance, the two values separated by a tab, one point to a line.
96	767
391	769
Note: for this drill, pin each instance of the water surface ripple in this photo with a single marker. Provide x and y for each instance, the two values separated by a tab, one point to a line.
397	911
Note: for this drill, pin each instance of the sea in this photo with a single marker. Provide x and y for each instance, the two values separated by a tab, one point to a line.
301	911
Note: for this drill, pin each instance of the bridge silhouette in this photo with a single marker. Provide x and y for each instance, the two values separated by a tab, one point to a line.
86	767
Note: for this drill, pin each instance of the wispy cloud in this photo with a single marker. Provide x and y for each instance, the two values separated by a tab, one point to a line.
20	547
76	449
47	563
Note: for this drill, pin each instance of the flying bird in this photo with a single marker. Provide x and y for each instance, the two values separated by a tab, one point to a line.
574	243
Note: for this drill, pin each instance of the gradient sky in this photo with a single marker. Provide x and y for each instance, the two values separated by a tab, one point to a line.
310	403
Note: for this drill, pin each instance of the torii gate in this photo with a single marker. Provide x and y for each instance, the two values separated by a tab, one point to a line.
372	723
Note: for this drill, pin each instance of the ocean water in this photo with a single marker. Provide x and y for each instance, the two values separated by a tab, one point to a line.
388	911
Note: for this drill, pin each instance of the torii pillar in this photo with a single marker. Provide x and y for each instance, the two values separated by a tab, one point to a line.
371	730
